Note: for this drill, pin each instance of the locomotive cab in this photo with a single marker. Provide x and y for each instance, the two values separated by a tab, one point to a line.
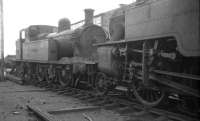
30	38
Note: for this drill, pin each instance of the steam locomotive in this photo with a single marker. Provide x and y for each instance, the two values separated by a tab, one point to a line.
149	49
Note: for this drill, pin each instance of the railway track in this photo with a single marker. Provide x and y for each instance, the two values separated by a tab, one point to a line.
131	110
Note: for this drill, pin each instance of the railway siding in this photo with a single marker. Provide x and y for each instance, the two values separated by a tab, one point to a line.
70	104
15	98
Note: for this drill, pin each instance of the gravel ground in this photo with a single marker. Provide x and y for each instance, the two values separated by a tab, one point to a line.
14	98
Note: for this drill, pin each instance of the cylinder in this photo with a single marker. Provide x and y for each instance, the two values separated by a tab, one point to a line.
89	13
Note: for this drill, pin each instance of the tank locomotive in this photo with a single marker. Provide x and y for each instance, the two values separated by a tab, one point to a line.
152	52
58	54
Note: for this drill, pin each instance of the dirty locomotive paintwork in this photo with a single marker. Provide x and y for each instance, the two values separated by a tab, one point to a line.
149	48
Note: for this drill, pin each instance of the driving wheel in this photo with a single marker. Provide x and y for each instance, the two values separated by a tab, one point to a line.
149	95
64	78
101	85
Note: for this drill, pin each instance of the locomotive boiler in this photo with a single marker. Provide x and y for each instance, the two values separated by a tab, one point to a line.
64	43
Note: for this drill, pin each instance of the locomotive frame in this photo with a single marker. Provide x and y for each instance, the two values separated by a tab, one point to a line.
148	76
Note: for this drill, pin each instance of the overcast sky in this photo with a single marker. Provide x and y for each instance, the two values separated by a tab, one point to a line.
19	14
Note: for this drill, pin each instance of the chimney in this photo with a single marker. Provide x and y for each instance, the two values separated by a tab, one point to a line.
89	13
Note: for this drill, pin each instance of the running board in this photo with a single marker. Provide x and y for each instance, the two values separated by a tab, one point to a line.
180	75
175	85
